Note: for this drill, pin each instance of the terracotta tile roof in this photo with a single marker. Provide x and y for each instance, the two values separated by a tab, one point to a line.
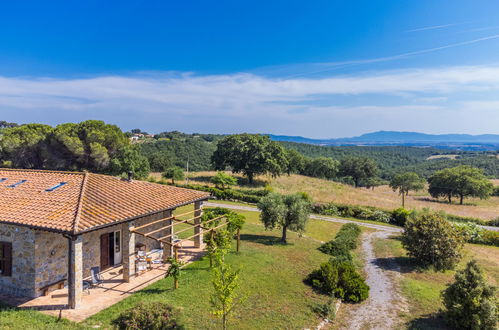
85	202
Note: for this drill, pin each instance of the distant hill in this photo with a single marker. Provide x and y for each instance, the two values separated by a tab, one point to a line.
392	138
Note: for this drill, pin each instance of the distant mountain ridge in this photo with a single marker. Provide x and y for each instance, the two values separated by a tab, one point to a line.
458	141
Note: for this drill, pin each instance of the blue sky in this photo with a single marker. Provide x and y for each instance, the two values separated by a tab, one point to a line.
311	68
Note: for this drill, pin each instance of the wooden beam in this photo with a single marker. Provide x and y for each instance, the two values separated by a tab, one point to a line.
165	227
188	238
173	217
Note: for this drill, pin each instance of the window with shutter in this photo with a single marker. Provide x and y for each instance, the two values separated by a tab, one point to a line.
5	259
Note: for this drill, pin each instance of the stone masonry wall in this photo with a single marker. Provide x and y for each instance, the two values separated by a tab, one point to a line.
22	281
91	240
51	251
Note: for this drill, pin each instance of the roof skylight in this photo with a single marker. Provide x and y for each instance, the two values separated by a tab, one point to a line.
57	186
17	184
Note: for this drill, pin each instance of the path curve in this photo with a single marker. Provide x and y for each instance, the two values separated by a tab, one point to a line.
384	305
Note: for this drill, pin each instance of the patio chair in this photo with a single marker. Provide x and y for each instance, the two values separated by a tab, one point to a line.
95	277
176	240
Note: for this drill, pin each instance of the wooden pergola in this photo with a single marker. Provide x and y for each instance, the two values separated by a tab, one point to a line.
173	220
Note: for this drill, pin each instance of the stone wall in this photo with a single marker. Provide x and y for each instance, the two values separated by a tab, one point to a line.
22	281
91	248
51	252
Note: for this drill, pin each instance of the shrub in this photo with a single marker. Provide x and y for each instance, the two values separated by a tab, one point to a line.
470	302
381	216
432	240
153	316
471	232
341	279
335	248
344	241
400	216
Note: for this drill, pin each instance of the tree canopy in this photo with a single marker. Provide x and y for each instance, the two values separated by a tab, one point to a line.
285	212
461	181
405	182
321	167
174	173
250	154
358	168
90	145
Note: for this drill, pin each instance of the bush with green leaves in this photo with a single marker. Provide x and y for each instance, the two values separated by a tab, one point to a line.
341	279
223	180
151	316
344	241
470	302
472	232
432	240
400	216
381	216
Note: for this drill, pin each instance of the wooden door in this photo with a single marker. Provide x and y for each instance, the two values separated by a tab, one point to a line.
104	252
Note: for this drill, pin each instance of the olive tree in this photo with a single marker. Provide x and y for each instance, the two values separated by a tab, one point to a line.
432	240
285	212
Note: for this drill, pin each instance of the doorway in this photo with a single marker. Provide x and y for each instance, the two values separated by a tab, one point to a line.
110	249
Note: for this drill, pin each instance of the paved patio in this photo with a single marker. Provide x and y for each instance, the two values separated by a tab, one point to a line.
110	292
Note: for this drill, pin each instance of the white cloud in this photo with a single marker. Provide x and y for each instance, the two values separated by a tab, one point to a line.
248	102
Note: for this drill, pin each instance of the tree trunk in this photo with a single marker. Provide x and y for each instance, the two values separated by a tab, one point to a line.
461	196
250	178
403	199
356	182
173	181
449	196
238	239
284	233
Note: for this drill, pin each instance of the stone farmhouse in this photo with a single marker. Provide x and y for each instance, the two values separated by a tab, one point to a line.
55	226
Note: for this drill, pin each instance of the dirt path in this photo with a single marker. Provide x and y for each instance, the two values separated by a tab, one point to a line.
381	310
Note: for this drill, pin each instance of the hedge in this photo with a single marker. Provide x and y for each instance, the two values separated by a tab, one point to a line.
344	241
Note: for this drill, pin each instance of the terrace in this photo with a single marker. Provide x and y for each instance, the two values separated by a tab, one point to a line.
111	291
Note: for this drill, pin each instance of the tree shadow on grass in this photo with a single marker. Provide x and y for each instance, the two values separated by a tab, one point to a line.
155	291
263	239
442	201
398	264
202	178
428	322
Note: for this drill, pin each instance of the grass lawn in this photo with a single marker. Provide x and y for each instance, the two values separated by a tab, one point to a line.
271	276
422	287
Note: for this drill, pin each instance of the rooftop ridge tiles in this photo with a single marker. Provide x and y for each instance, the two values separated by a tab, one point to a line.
38	171
80	203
